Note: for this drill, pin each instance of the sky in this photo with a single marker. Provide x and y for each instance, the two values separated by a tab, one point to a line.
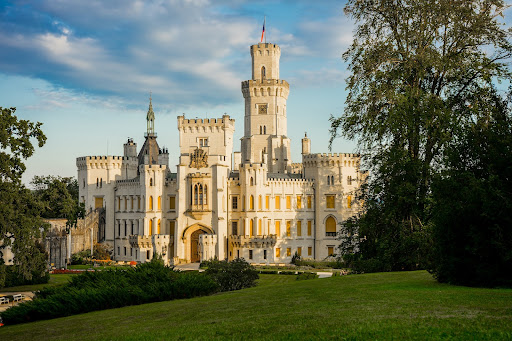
85	70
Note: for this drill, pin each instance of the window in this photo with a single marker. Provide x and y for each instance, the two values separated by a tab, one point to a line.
158	227
264	254
278	202
132	203
147	254
243	202
288	202
259	203
262	108
159	203
172	224
125	204
330	251
200	194
310	250
278	252
172	203
330	227
125	250
299	228
138	203
349	180
251	227
119	204
263	73
125	229
119	229
349	201
234	228
299	251
196	194
299	201
131	252
150	203
250	254
251	202
119	250
251	182
234	203
328	180
97	182
267	202
278	228
151	181
309	201
150	227
265	130
288	228
203	142
132	228
259	227
261	130
309	227
329	201
288	252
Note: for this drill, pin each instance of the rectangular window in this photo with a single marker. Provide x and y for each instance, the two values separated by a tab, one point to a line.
138	203
147	254
119	204
278	202
264	254
98	202
234	228
203	142
250	254
119	250
330	251
125	204
299	202
131	252
132	203
299	228
349	180
278	252
172	225
309	201
288	252
288	202
329	201
299	251
349	201
288	228
309	227
172	203
278	228
267	202
259	227
259	202
125	250
310	250
234	202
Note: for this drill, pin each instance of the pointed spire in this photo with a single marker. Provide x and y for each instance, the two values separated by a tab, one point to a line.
150	117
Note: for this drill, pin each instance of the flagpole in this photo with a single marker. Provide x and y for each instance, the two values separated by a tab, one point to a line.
264	24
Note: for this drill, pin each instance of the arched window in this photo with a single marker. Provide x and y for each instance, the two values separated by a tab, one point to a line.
101	183
332	179
150	203
263	73
349	201
251	227
251	181
265	130
261	130
150	227
328	180
205	195
259	202
251	203
200	194
151	181
97	182
159	204
158	227
195	194
83	183
330	226
259	227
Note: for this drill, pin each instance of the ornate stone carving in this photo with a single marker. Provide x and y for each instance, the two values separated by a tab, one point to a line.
199	159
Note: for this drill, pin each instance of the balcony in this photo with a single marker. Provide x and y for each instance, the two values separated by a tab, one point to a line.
145	242
267	241
197	211
330	234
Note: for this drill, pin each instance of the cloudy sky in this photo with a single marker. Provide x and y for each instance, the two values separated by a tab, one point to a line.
85	69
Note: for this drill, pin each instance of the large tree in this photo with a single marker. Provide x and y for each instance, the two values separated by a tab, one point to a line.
419	69
20	222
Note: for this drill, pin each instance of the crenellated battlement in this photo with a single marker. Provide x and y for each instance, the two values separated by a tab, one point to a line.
321	156
331	159
265	82
225	121
262	48
111	162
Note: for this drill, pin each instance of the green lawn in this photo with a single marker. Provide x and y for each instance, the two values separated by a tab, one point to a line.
408	305
55	280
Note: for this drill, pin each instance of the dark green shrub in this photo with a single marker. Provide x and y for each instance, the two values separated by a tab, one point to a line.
306	275
268	272
234	275
296	259
368	265
14	278
113	288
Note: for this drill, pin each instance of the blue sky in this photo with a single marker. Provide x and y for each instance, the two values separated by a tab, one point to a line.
85	69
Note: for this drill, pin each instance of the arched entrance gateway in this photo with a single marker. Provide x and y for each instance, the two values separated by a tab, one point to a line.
191	241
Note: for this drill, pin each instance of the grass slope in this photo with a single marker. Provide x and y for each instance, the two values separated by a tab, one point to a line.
407	305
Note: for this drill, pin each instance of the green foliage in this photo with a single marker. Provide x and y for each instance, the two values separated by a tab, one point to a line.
106	289
295	259
472	207
206	263
306	275
234	275
419	71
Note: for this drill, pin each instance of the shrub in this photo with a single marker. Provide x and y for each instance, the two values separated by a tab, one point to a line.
14	278
113	288
306	275
296	259
368	265
234	275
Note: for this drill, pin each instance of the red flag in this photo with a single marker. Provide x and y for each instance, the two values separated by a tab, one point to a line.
263	32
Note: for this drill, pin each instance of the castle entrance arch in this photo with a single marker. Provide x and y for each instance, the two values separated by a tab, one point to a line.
191	240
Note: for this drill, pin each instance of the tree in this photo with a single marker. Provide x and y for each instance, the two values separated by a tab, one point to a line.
472	210
419	70
20	222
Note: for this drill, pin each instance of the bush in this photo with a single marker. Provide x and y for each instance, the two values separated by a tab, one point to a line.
368	265
14	278
113	288
295	259
306	275
234	275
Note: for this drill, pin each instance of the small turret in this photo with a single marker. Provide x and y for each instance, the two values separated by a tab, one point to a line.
306	144
130	148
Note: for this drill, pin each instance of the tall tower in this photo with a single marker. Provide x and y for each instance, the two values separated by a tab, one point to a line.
265	111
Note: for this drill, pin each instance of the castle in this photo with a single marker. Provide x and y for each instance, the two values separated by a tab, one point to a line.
254	204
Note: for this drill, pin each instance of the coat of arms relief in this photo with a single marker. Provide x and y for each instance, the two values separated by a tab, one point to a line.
198	159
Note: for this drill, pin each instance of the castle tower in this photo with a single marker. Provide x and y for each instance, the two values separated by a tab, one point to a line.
265	111
306	145
149	153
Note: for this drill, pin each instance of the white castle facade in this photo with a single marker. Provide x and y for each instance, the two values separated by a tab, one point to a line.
254	204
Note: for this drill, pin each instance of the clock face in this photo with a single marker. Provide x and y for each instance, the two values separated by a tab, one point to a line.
262	109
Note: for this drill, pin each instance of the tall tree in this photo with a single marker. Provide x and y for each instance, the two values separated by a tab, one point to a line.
418	68
20	222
